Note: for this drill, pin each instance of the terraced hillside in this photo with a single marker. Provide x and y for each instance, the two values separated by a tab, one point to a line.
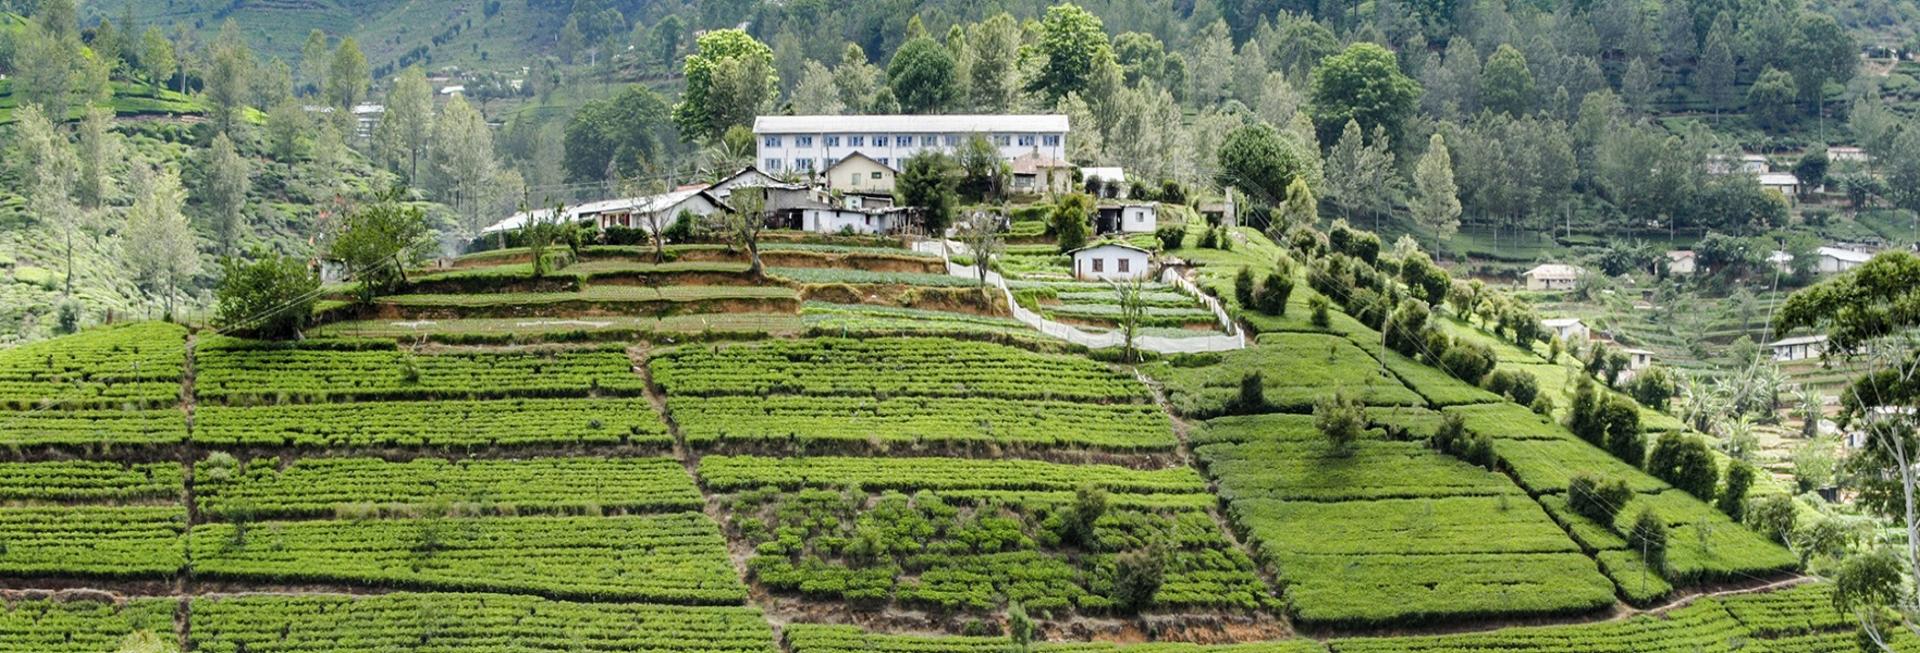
877	462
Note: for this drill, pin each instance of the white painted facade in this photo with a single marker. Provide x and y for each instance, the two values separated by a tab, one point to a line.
808	144
1552	276
1835	260
1112	262
1798	348
1570	330
1138	219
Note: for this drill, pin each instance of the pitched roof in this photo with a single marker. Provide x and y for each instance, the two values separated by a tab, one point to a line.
1798	340
1111	243
1680	254
910	124
1847	255
1032	162
1555	323
1553	271
1778	179
860	155
646	204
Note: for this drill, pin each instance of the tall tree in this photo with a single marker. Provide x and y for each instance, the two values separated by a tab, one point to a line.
378	241
348	76
816	94
1715	76
922	76
1436	200
228	84
927	183
1506	84
223	191
98	149
44	161
1261	161
314	62
1074	47
728	77
856	79
1362	83
1771	99
1213	64
287	124
158	242
156	56
621	133
405	130
666	37
45	69
1357	171
1636	86
464	160
994	78
1820	52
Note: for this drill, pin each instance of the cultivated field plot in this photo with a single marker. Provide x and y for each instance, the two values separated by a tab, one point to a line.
93	427
435	424
842	320
973	535
134	366
81	626
1800	619
240	372
890	391
76	519
332	623
1295	369
818	638
312	487
1704	545
670	558
1391	532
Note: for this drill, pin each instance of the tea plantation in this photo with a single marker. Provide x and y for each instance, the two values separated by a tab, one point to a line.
852	454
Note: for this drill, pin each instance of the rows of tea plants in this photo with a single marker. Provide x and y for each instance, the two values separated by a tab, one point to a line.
671	558
469	623
82	626
435	424
92	427
138	365
845	320
887	367
91	541
1387	531
822	638
239	372
803	420
733	473
925	550
90	482
1295	369
267	487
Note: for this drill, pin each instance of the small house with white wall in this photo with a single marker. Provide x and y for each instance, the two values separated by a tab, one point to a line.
1682	262
859	173
1036	173
1552	276
1848	153
1784	183
1798	348
1111	261
1132	218
1569	330
853	214
1834	260
626	212
1781	261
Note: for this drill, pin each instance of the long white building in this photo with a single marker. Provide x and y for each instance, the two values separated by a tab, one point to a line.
812	143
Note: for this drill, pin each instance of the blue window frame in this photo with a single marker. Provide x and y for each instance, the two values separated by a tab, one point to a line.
1051	140
903	141
803	141
953	140
773	165
879	140
1002	140
929	141
1026	140
833	141
771	141
856	141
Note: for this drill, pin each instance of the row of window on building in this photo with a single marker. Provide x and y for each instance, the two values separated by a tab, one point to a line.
904	140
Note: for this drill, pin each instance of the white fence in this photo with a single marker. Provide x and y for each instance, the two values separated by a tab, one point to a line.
1231	340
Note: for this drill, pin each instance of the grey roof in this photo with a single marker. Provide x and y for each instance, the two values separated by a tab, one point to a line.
1798	340
909	124
1111	243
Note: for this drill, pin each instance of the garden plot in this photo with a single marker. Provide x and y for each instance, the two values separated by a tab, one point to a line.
240	372
449	424
957	534
876	393
73	519
81	626
1387	531
819	638
134	366
1294	368
336	623
1099	304
312	487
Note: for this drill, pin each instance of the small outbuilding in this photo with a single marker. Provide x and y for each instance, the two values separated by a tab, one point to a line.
859	173
1035	173
1798	348
1835	260
1552	276
1138	218
1113	261
1781	182
1681	262
1570	330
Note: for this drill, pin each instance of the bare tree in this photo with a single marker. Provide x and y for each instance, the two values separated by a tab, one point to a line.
1133	309
980	232
745	222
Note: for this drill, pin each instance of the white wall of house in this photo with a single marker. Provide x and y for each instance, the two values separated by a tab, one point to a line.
814	143
1138	218
860	175
1111	262
834	220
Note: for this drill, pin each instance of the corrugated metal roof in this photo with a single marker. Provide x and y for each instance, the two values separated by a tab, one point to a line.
909	124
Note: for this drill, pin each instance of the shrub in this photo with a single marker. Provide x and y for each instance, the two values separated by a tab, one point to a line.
1624	439
1405	331
1019	626
1480	451
1653	387
1137	575
1274	291
1596	498
271	297
67	317
1253	393
1468	361
1243	288
1649	537
1733	495
1774	517
1208	239
1685	462
1340	419
1089	504
1453	430
1170	237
